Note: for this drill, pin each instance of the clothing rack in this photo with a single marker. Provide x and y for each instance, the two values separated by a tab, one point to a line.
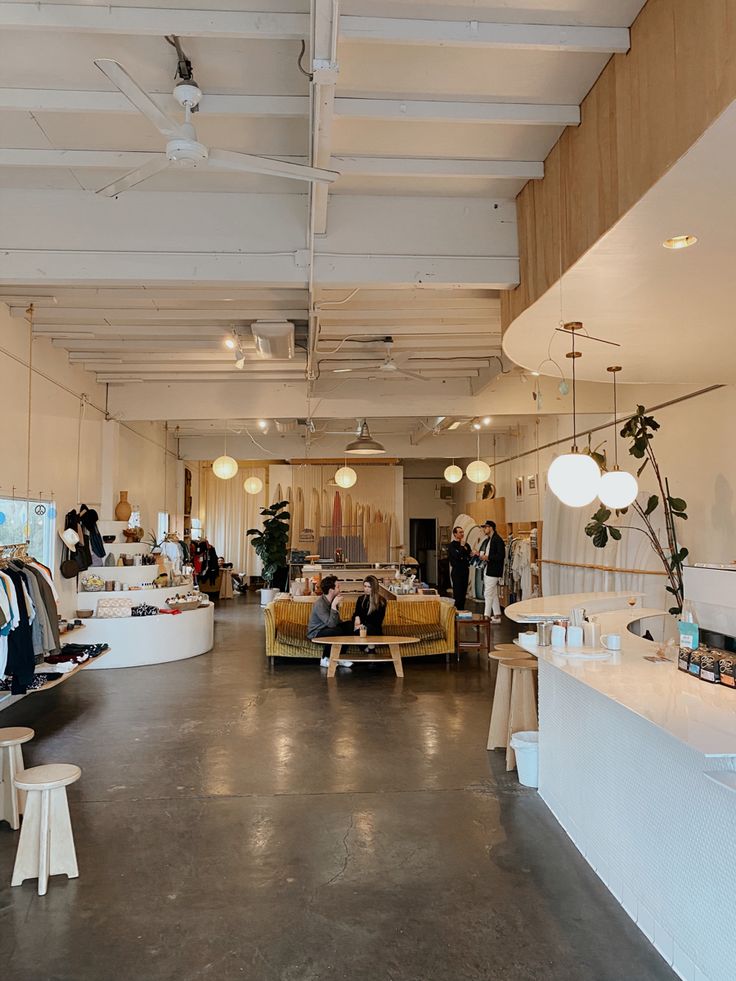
18	550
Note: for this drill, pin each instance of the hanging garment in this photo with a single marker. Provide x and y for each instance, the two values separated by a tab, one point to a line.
20	660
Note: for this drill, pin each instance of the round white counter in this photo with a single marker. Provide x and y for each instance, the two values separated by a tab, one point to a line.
136	641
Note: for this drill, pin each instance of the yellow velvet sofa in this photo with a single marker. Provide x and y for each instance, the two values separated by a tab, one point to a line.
431	620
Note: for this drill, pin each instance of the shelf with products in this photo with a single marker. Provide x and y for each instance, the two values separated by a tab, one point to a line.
166	637
88	599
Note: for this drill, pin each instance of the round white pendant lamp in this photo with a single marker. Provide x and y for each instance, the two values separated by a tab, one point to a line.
618	487
478	471
345	477
453	474
225	467
574	477
253	485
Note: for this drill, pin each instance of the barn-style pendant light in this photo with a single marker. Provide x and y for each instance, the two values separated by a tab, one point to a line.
364	445
574	477
618	487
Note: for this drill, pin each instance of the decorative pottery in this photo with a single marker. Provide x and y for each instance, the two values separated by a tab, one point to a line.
123	509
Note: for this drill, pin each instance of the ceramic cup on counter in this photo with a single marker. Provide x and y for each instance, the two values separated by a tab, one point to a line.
612	642
558	635
528	640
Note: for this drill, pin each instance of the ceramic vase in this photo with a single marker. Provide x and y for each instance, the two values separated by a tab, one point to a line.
122	508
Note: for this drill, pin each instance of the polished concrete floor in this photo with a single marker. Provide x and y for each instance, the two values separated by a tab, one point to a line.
234	822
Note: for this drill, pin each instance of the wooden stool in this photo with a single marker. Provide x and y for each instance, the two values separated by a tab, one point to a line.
12	800
498	731
46	845
523	703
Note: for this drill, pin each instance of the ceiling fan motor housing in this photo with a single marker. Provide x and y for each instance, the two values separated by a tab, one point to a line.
186	153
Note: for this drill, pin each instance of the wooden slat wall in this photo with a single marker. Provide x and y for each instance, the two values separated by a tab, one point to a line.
645	111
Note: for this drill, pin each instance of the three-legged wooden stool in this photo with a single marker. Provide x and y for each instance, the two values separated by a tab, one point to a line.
498	731
46	845
12	800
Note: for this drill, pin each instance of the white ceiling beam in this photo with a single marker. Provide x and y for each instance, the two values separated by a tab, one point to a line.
476	34
118	315
325	68
62	100
492	272
146	367
523	114
416	167
504	113
102	346
150	21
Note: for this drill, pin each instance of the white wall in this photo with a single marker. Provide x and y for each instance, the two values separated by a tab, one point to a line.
56	391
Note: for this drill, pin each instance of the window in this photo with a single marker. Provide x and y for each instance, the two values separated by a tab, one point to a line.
163	525
38	528
197	533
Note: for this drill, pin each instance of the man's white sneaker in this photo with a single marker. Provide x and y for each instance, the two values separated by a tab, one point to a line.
325	662
345	664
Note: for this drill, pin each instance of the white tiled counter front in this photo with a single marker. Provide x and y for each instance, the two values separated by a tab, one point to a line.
635	762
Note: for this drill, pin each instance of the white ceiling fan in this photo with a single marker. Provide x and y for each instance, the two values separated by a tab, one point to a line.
391	368
182	147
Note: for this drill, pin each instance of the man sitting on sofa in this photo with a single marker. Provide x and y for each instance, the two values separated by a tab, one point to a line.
324	620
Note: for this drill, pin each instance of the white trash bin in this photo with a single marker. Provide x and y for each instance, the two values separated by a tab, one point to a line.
526	747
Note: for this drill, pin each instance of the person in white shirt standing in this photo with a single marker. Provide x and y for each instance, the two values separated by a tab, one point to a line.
491	556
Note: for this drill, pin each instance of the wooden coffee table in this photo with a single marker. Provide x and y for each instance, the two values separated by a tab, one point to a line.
385	640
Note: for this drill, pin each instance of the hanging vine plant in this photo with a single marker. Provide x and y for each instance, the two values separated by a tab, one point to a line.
640	430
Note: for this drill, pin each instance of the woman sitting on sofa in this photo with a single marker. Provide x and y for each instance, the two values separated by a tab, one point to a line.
370	609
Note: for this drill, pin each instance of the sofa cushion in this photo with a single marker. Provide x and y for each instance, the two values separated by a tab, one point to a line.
292	633
424	631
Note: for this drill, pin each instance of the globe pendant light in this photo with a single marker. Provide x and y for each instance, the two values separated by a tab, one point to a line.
453	474
224	466
253	485
478	471
618	487
345	477
574	477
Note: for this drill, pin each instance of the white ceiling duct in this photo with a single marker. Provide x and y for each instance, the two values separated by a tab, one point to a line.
274	340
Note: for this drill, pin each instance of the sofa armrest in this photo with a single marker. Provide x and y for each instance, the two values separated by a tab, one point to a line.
270	622
447	619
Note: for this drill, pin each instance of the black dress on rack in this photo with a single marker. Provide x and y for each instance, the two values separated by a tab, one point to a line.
21	663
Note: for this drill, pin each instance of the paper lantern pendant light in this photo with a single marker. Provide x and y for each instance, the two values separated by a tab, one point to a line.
453	474
253	485
225	467
478	471
345	477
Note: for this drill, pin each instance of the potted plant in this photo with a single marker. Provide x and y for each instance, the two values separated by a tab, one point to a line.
640	429
271	543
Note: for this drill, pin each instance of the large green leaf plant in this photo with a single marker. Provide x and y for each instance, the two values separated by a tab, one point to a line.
640	429
271	542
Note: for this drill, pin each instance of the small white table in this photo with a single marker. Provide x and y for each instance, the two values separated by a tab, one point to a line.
382	640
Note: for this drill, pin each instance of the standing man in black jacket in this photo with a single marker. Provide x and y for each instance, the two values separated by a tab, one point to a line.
491	555
459	554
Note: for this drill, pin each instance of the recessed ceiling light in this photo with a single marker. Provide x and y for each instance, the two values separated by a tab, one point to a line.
340	371
229	342
262	424
487	420
534	374
680	242
476	425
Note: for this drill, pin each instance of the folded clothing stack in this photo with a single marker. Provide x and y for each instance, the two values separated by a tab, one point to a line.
72	655
38	681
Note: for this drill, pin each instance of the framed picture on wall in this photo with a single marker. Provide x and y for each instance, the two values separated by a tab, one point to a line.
519	488
532	483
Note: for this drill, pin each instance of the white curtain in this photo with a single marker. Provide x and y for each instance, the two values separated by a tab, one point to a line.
227	513
564	540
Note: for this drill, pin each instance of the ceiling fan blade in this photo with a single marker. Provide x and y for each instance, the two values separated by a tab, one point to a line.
249	164
412	374
161	162
140	99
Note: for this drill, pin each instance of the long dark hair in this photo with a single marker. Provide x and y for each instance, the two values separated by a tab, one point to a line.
376	600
